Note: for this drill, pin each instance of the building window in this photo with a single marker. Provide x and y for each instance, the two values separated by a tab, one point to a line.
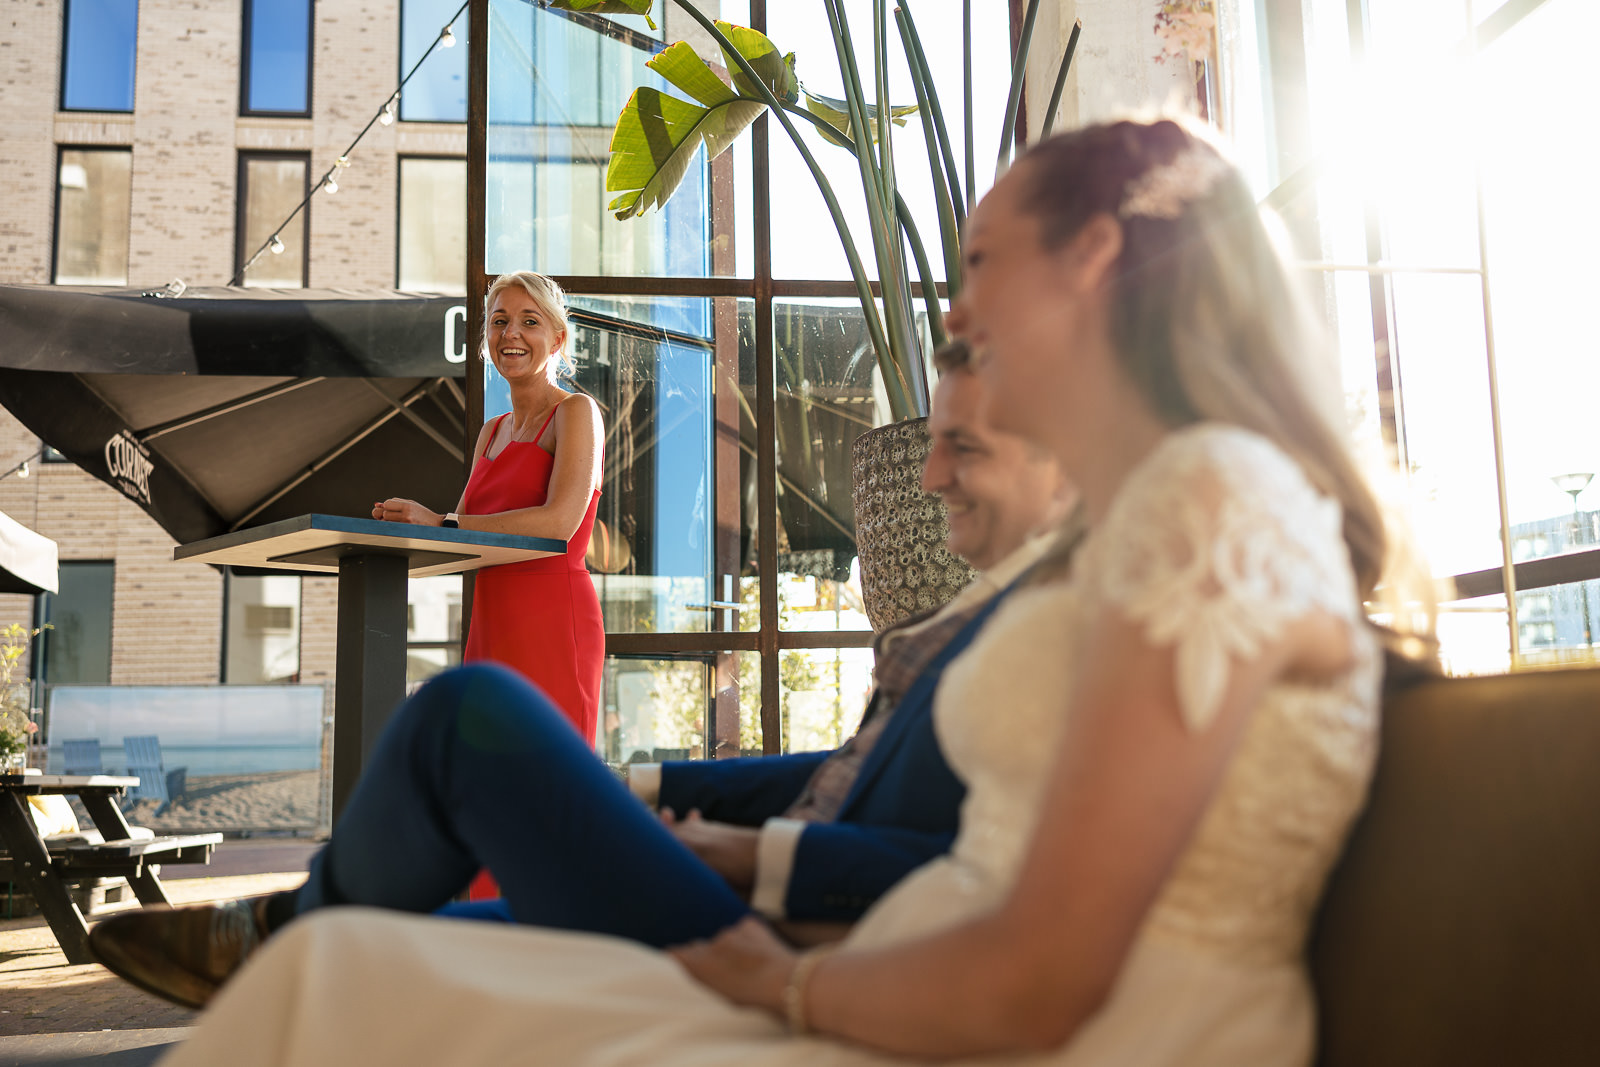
438	91
271	185
93	187
76	649
433	626
99	45
276	72
433	225
261	637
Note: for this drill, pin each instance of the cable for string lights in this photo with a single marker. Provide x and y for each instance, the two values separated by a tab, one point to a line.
328	183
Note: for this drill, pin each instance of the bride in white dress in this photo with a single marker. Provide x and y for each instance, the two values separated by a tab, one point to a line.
1164	742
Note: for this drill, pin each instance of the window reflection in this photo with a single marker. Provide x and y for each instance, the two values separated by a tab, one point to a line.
433	225
437	92
654	709
556	86
263	630
99	55
92	202
270	187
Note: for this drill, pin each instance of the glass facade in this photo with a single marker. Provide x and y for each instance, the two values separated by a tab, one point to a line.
1427	251
271	185
98	53
757	624
277	57
93	190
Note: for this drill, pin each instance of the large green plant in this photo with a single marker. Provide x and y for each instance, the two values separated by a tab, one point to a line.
657	135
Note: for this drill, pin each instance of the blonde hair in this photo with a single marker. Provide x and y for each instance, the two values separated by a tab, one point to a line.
1205	318
547	297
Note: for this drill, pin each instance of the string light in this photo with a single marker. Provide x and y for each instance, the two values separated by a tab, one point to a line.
384	116
23	469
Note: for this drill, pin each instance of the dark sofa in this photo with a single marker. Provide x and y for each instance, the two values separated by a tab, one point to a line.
1462	926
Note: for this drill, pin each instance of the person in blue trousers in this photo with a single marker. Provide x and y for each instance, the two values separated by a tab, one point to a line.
479	770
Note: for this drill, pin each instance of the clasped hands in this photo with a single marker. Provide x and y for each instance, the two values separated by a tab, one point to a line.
747	963
398	509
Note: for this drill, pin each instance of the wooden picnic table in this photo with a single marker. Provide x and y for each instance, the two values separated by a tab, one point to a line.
46	868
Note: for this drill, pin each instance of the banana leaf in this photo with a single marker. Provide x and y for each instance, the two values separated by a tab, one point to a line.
657	134
608	7
836	113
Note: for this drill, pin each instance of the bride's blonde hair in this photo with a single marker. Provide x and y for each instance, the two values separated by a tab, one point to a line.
1205	317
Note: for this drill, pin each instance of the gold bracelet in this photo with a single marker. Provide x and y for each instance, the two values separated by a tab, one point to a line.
794	990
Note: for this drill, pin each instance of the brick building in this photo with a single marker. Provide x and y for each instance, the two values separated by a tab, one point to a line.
147	140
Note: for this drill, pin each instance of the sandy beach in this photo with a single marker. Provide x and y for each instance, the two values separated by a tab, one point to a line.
268	800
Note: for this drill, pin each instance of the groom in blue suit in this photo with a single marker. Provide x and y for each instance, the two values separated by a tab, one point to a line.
479	769
819	836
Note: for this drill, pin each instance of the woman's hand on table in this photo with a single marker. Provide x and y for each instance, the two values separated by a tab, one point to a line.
398	509
745	963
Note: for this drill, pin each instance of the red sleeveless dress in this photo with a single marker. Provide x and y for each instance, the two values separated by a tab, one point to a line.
542	617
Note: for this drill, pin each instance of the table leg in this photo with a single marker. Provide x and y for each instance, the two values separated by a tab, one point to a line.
371	662
113	827
30	861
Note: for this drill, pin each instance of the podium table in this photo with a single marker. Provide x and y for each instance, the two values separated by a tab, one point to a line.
373	560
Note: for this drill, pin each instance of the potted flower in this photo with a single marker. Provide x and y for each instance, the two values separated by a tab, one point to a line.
17	725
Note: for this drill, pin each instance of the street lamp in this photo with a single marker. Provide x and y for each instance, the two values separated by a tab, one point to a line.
1572	485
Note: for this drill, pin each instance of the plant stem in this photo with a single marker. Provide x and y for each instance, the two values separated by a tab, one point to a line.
869	308
1061	79
921	63
949	224
1019	72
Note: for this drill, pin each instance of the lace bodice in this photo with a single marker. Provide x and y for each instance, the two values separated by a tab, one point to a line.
1214	544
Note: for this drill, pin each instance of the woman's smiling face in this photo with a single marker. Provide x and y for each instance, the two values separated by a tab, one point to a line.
521	337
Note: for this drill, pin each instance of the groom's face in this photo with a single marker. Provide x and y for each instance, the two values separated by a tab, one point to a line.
998	489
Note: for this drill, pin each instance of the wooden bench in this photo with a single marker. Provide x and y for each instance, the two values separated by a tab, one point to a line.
45	868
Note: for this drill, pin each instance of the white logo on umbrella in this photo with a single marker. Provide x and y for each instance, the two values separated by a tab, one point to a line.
129	463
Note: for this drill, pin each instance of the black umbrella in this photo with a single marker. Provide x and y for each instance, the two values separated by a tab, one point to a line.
225	408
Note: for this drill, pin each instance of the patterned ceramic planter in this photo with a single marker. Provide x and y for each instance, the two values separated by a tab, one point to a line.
900	530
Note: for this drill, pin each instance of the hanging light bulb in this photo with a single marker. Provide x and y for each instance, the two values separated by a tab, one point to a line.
342	161
330	185
447	38
276	245
387	118
22	469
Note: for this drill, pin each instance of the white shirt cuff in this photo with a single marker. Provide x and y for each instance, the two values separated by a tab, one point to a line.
644	781
775	849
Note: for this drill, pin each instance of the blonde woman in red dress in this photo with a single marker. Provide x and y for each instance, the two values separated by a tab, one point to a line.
536	472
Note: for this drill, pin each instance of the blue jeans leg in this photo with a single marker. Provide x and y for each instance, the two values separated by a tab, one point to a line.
478	769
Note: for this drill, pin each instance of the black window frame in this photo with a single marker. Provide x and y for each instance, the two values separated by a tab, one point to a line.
242	198
61	87
55	207
245	56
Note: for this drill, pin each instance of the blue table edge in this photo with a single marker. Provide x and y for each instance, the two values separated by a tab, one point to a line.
352	525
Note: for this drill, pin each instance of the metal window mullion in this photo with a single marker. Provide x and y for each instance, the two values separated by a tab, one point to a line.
766	406
1507	564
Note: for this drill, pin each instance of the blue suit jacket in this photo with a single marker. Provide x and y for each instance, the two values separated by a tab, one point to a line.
901	812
